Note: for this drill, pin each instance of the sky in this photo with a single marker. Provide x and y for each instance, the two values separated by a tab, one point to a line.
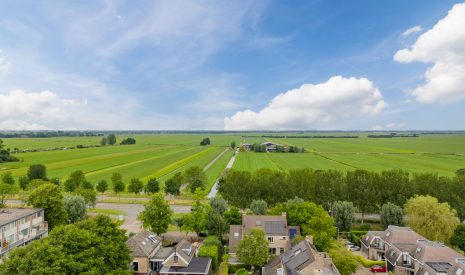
232	65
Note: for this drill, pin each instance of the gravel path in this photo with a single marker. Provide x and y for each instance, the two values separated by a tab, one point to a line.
214	189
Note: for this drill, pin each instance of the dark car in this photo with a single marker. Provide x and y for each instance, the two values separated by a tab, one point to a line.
378	269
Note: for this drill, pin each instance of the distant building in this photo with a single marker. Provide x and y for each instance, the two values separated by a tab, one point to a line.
270	146
20	226
407	252
246	146
277	232
302	259
149	257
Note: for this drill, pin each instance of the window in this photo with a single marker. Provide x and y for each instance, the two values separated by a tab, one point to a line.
270	239
135	266
405	259
236	234
25	231
175	259
281	250
387	234
426	273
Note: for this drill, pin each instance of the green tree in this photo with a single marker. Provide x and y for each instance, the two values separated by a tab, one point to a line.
75	180
7	178
87	185
343	259
195	177
196	221
253	248
103	141
23	182
37	171
5	191
259	207
91	246
33	184
236	188
458	238
157	215
343	214
312	219
173	185
135	186
219	205
56	181
362	186
391	214
49	197
152	186
118	184
435	221
111	139
233	215
90	196
102	186
215	223
233	144
75	206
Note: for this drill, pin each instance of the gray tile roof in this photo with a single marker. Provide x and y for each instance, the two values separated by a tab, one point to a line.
8	215
198	265
143	243
276	228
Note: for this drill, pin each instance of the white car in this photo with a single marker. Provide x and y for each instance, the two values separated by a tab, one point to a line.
353	247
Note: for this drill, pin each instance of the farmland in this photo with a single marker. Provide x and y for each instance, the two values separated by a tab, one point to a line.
163	155
442	154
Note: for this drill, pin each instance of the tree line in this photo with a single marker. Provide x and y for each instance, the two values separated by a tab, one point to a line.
5	154
367	190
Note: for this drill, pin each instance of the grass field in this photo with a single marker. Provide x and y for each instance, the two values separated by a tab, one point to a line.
162	155
442	154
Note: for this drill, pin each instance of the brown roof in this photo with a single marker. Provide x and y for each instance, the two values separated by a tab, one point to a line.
272	225
401	235
233	239
428	251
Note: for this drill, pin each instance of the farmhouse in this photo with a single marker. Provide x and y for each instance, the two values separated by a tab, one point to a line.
277	232
149	257
20	226
407	252
270	146
302	259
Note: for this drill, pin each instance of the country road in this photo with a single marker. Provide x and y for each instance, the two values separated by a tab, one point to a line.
214	189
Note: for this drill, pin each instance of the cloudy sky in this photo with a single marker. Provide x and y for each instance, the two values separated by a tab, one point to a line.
232	65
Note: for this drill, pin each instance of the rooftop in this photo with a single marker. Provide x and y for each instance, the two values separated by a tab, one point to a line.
143	243
273	225
196	266
8	215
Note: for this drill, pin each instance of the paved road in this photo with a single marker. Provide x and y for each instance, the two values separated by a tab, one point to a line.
131	223
214	189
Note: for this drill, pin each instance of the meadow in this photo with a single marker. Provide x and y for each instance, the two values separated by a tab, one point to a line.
441	154
163	155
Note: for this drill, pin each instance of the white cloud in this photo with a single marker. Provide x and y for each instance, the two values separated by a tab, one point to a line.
32	111
312	104
443	45
412	30
388	126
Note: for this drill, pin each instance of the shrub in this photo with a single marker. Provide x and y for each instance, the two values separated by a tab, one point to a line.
242	271
212	241
233	268
369	263
223	270
210	251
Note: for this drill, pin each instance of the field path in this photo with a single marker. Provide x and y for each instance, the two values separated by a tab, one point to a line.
214	189
214	160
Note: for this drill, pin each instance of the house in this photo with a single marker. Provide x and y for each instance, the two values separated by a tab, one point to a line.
144	245
407	252
246	146
301	259
19	226
182	260
270	146
277	232
149	257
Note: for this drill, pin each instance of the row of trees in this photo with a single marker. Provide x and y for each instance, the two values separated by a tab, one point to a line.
110	140
367	190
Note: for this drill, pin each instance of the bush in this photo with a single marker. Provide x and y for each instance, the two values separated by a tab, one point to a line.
210	251
212	241
369	263
233	268
242	271
223	270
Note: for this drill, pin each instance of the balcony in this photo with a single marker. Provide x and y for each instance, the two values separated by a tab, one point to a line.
36	233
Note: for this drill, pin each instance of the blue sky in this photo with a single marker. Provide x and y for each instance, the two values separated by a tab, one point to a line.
232	65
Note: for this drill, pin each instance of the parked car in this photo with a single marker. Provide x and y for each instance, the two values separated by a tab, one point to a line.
378	269
353	247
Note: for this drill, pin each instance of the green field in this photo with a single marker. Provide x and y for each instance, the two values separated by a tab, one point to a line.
442	154
162	155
